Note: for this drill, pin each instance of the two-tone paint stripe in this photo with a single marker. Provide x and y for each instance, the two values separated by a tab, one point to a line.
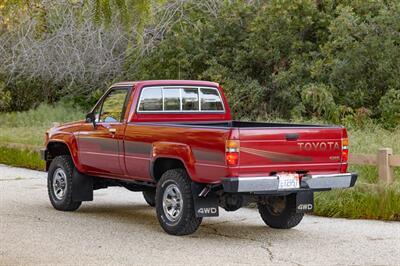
276	156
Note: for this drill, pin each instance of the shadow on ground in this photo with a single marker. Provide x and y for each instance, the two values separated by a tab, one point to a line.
228	226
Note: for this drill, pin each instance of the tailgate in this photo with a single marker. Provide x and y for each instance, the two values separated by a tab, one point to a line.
294	149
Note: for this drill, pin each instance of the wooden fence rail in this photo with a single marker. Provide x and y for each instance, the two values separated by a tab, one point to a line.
384	160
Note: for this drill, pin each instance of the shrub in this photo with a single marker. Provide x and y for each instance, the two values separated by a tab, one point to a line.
361	53
5	97
389	107
318	101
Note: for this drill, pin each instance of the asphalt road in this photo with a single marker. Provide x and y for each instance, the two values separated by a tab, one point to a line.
119	228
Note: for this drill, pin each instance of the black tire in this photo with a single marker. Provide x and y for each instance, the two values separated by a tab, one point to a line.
286	217
187	222
65	167
150	197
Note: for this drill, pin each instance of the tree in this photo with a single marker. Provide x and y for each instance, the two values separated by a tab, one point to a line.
15	12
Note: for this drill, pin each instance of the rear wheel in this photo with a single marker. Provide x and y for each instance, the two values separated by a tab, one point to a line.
174	203
280	211
150	197
59	184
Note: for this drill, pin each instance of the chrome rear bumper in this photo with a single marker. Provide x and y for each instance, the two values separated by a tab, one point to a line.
265	184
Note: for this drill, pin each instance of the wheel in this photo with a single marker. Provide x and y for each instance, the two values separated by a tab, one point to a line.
280	212
150	197
59	184
174	203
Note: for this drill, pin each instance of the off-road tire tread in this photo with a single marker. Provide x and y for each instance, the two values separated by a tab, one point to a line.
289	218
67	204
189	222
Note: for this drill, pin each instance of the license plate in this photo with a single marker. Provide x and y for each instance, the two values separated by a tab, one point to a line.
288	181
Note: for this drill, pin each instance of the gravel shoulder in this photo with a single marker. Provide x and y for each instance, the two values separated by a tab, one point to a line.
118	228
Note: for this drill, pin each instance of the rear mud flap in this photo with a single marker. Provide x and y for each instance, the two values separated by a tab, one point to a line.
304	202
204	205
82	187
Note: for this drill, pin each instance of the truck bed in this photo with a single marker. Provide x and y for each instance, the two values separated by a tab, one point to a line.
267	148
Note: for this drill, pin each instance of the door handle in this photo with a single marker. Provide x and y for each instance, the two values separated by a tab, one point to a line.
112	130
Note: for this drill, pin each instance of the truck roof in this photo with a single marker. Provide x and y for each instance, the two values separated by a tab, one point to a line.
166	82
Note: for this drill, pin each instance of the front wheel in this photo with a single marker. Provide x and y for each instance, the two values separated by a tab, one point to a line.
174	203
59	184
280	211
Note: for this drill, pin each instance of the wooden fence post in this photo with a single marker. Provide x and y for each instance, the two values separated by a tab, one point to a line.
384	169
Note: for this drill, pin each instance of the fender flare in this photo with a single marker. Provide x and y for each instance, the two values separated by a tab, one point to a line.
71	144
177	151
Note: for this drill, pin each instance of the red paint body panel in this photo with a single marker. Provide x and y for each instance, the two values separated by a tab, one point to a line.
99	150
315	150
141	139
201	150
66	134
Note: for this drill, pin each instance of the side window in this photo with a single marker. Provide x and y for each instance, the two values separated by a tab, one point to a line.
96	112
210	100
151	100
113	104
190	99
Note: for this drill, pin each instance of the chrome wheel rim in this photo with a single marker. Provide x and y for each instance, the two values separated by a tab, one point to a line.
172	203
59	183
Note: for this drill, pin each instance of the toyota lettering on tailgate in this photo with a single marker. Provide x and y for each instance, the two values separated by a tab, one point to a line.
319	146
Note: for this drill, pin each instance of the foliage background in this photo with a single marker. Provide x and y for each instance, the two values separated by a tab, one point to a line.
335	60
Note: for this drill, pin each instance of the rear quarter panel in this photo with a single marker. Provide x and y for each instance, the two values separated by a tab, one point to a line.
201	149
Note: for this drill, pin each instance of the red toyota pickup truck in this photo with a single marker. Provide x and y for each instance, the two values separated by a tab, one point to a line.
175	141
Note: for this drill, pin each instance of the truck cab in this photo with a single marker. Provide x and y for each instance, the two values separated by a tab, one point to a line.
175	141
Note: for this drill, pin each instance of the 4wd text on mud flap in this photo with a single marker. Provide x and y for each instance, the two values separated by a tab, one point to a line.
207	210
305	207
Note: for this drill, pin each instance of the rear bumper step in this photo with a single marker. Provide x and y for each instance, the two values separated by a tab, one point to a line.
266	184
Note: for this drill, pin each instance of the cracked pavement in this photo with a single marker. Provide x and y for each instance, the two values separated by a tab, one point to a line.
118	228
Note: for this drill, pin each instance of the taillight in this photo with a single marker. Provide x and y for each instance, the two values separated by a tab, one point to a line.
345	150
232	148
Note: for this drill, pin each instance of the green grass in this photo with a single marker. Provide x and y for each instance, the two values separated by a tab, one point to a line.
22	134
366	201
369	140
21	158
28	128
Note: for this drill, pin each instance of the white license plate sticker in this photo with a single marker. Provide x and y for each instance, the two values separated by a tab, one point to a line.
288	181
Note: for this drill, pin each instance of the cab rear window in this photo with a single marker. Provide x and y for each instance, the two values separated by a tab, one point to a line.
210	100
180	99
190	99
172	100
151	100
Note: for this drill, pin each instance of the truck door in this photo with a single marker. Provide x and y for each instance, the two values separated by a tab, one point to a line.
99	147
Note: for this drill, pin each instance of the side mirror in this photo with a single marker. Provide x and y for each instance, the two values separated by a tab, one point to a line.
90	118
